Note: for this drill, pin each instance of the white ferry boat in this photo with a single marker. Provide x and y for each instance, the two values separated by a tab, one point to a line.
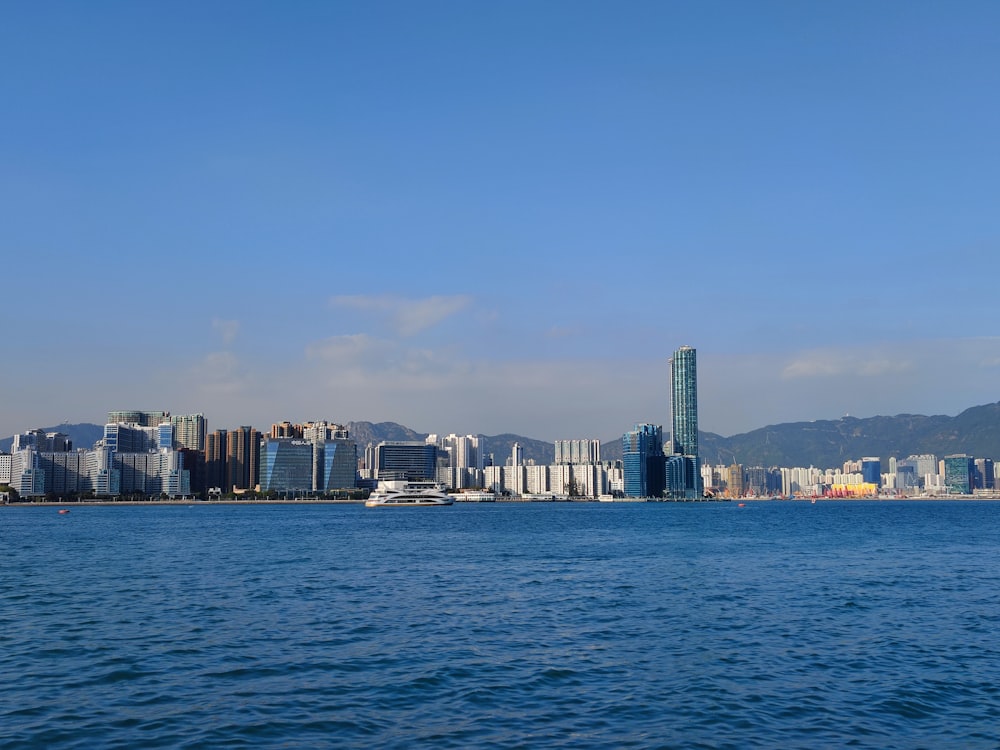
397	493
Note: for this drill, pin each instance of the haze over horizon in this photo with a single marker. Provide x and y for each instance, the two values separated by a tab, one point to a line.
498	218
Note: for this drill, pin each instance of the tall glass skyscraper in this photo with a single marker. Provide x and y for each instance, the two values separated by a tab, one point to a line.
684	401
684	414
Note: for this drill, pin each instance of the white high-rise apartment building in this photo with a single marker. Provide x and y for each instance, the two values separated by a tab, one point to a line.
189	431
5	468
460	460
536	479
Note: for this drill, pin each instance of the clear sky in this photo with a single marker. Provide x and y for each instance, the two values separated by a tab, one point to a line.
498	217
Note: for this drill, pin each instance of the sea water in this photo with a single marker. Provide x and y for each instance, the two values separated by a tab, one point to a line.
570	625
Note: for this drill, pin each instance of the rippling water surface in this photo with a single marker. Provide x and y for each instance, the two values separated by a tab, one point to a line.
503	625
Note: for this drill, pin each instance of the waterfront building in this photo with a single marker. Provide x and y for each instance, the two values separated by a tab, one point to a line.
194	464
684	401
684	415
712	479
871	471
493	479
760	481
923	464
366	464
104	480
675	476
175	477
614	478
65	472
460	460
734	481
404	459
906	477
327	466
538	481
25	475
959	474
286	465
335	455
643	462
339	462
515	479
242	459
216	450
913	471
799	481
985	474
152	473
588	480
576	480
5	459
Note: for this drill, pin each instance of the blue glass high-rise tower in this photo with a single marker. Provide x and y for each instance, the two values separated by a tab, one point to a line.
643	461
684	414
871	471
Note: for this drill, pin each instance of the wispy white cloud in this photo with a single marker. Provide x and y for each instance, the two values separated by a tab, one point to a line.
345	350
364	377
228	330
217	373
406	316
826	363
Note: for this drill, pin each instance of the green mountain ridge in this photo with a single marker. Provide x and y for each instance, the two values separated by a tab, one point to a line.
829	443
821	443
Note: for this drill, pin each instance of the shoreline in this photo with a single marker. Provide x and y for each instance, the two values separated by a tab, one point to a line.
510	500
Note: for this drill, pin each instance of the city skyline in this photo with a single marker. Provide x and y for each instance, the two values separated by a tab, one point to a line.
499	219
150	455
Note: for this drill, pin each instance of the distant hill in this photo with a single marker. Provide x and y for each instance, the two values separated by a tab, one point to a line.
829	443
368	432
823	443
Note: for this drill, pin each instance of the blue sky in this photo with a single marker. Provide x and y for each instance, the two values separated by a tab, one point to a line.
498	217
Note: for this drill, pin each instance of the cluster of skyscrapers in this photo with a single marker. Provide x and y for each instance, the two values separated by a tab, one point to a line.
654	468
923	474
156	454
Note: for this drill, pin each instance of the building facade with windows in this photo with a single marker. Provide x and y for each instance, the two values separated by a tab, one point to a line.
286	465
684	415
404	459
643	461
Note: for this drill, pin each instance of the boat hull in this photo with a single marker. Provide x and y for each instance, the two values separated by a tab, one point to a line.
407	504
